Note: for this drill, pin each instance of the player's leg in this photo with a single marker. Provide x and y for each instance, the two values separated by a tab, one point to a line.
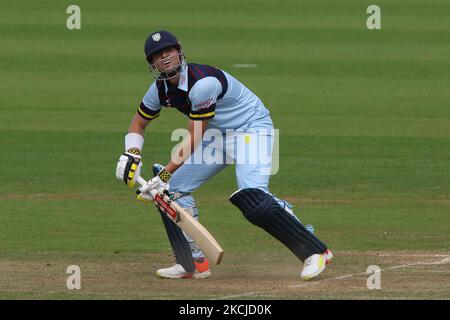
268	212
190	260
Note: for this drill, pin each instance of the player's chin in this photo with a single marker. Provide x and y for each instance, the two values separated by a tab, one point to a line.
171	72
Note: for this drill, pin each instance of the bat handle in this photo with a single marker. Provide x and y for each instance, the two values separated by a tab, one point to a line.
141	181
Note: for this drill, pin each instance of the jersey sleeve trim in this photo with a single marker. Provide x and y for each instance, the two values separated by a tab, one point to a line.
147	113
202	116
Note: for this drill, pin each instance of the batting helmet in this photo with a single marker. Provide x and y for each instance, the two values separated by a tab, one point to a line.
159	40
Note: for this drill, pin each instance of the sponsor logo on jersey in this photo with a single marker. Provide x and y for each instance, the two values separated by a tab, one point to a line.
203	105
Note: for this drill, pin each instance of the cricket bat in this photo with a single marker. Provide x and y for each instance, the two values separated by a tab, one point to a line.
187	223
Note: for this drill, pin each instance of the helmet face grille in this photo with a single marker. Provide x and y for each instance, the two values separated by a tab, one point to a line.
163	74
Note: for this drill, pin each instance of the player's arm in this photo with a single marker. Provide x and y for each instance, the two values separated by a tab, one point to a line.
129	164
203	96
134	140
196	131
138	124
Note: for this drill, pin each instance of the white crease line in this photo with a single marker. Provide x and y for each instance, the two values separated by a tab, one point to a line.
444	261
344	277
245	65
410	255
240	295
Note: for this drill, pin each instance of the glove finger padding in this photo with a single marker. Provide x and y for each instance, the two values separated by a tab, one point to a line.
128	168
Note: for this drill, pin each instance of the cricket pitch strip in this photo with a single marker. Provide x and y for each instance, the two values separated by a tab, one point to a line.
404	275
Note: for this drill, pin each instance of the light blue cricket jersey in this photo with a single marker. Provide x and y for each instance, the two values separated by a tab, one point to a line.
205	93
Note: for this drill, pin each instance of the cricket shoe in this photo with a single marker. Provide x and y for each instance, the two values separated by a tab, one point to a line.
314	265
178	272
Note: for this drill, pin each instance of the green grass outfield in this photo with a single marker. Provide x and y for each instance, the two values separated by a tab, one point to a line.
364	120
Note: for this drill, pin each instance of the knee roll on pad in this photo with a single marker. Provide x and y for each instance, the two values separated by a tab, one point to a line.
263	210
179	244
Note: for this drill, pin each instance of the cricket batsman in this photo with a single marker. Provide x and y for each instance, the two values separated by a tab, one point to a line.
220	106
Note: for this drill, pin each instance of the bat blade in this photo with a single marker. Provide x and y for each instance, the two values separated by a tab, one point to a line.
188	224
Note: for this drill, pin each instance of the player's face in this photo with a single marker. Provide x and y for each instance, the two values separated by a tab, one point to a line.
167	60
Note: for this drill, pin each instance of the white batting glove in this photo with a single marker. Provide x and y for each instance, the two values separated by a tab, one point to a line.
158	182
154	183
128	168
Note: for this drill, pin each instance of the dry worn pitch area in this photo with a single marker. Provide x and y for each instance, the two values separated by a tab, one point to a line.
404	275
